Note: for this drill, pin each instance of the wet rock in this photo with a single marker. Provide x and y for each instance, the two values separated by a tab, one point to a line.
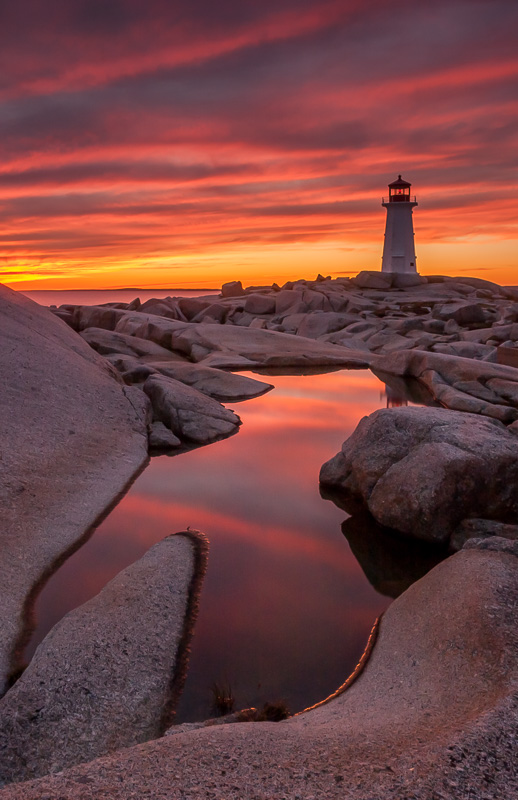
109	674
73	437
422	471
189	414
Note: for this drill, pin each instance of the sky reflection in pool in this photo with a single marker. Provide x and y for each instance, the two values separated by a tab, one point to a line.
285	609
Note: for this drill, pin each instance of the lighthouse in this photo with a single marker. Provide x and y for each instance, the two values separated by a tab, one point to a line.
399	248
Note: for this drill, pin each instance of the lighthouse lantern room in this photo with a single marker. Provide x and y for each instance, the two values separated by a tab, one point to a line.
399	248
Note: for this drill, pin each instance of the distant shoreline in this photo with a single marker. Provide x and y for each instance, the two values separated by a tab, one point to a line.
128	289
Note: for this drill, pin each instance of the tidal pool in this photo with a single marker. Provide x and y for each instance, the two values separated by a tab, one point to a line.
285	610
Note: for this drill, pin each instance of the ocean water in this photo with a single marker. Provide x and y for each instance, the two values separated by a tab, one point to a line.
94	297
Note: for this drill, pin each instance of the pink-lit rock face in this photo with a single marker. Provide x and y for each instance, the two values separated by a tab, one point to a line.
72	438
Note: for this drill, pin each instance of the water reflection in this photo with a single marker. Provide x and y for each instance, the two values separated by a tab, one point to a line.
403	391
394	398
285	609
390	561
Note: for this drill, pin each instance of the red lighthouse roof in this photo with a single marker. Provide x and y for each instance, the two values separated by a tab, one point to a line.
399	184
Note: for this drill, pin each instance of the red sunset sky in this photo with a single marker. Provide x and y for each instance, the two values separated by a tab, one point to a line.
169	144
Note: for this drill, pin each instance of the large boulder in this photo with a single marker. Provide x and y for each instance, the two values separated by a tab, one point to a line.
110	673
189	414
422	471
73	437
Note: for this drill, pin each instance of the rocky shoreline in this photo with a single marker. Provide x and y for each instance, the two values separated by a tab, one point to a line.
433	713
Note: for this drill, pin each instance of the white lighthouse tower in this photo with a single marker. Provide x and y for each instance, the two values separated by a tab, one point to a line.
399	248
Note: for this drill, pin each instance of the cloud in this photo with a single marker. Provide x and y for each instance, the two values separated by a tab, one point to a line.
176	128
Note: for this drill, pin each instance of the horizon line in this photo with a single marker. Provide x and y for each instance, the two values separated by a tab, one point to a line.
132	289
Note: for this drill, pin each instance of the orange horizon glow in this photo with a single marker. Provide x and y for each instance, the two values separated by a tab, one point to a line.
175	148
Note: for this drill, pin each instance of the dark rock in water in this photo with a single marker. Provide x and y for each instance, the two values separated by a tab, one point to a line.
422	471
109	674
390	561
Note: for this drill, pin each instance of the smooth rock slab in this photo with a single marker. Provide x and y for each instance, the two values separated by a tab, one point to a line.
422	471
432	715
189	414
73	437
108	675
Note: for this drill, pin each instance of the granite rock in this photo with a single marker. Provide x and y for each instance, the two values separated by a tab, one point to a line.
73	438
421	471
109	674
189	414
432	714
222	386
